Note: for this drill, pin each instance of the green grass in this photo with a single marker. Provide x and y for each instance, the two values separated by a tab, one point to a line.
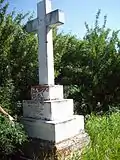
104	132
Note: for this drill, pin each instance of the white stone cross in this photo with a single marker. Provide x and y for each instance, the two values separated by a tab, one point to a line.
46	19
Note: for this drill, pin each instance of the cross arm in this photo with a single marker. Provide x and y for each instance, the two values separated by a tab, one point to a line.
55	18
32	26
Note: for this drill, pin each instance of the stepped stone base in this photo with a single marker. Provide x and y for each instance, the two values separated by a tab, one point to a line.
51	126
42	149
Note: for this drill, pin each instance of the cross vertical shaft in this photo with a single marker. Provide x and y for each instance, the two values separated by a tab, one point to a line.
42	25
45	46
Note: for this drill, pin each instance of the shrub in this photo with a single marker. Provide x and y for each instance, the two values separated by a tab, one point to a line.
12	136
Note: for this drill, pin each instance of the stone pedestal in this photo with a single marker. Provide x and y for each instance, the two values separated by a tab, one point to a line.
49	118
38	149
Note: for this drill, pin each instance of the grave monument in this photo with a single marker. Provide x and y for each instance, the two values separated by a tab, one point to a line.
48	117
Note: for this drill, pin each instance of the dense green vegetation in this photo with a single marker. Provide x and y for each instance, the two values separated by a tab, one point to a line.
105	138
11	32
88	68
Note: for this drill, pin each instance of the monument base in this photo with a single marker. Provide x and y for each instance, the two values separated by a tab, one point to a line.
42	149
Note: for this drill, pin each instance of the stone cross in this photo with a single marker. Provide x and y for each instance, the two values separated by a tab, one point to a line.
42	25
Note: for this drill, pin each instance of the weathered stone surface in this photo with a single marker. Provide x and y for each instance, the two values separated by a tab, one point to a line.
48	110
55	18
55	131
42	149
47	92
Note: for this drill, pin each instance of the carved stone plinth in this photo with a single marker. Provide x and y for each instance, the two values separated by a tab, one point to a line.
47	92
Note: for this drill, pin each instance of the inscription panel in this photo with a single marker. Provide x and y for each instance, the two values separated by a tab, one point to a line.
35	109
50	110
45	92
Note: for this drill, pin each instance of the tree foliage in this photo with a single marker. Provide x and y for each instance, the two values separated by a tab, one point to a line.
18	57
90	67
10	89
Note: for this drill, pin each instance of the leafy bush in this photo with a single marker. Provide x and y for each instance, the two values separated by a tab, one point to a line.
12	136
